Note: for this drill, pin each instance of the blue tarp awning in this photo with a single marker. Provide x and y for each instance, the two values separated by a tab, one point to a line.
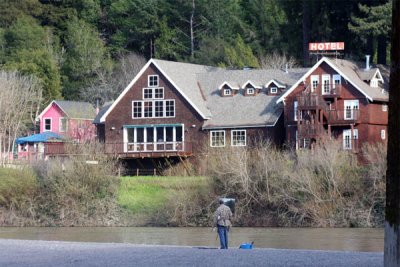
40	138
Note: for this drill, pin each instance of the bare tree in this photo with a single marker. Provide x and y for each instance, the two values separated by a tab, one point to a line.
277	61
20	96
392	211
110	84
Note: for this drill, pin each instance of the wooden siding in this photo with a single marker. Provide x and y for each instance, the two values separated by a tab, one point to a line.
371	119
184	113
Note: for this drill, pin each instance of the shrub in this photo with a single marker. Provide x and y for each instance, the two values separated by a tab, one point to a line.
74	191
321	187
17	192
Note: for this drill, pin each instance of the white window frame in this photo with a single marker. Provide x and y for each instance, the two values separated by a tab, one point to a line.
385	107
383	134
44	124
326	84
60	129
151	91
274	90
314	78
336	77
153	108
227	91
212	144
250	91
373	83
150	83
237	142
295	109
350	105
348	139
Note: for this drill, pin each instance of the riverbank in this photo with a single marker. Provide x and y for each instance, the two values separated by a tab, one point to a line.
54	253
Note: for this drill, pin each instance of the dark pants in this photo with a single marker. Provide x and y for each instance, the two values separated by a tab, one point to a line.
223	236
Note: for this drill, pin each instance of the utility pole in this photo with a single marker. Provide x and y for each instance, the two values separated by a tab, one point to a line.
392	210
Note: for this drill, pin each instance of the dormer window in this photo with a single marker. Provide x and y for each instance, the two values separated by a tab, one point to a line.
250	91
374	83
274	90
227	92
153	80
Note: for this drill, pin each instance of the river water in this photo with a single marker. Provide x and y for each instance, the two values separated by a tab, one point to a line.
350	239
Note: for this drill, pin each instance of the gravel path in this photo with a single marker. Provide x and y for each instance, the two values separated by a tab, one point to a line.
54	253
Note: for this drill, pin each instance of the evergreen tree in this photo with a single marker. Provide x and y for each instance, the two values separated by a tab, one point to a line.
374	22
29	49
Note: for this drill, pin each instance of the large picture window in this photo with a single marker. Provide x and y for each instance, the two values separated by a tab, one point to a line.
238	138
153	138
217	138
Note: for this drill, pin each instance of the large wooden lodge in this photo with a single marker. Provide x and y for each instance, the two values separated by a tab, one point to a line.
177	110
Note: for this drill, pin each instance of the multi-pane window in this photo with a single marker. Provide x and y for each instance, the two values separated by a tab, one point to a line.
336	80
158	93
227	91
326	80
217	138
314	82
148	109
147	93
153	109
348	139
153	93
137	109
274	90
153	138
63	125
159	108
153	80
169	108
47	124
250	91
238	138
351	109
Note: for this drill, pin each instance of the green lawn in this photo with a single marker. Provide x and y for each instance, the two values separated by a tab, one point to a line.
147	194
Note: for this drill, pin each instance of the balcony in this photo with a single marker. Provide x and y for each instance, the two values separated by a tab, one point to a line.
310	130
311	101
343	117
330	90
149	150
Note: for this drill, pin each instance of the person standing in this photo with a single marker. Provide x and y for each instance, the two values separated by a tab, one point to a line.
222	220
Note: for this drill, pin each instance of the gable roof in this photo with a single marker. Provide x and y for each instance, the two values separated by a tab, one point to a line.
255	84
348	70
231	85
182	76
72	109
102	111
276	83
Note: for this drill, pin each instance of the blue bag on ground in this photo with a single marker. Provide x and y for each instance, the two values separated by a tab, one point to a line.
246	245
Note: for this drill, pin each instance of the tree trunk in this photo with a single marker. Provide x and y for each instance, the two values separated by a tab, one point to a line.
191	31
392	211
306	31
370	46
382	45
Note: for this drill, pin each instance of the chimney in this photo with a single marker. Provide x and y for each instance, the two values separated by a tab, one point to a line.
97	106
367	62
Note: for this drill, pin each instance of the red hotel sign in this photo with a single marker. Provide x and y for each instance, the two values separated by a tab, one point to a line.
326	46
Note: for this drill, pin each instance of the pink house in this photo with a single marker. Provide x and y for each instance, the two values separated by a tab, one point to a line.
71	119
